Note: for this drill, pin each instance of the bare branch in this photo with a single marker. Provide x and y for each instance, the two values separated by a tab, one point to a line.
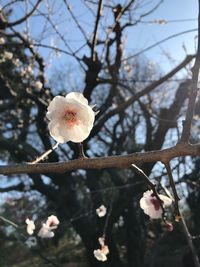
17	22
121	161
193	91
135	97
94	40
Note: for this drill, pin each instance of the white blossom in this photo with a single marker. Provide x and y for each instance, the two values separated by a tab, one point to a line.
16	62
46	229
71	118
8	55
101	211
29	69
30	226
99	255
31	242
151	205
2	41
52	221
38	85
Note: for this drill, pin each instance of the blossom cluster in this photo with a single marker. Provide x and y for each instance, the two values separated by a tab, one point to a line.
101	254
46	231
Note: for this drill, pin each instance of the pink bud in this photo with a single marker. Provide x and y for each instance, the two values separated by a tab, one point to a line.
170	227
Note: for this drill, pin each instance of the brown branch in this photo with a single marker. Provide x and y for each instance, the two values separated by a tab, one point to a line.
94	40
135	97
18	187
12	24
173	187
121	161
193	92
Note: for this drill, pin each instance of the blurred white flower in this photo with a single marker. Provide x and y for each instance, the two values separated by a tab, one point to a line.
16	62
31	242
151	205
29	69
2	41
99	255
51	224
101	211
8	55
30	226
52	221
46	231
71	118
38	85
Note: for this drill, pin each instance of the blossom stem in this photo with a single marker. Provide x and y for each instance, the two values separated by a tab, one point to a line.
81	151
107	217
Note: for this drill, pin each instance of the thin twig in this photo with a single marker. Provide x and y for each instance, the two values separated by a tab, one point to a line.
44	155
94	40
107	217
14	23
76	20
175	194
193	91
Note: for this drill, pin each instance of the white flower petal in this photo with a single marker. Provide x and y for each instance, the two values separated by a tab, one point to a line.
52	221
87	116
56	130
56	107
101	211
30	226
99	255
150	207
78	97
46	231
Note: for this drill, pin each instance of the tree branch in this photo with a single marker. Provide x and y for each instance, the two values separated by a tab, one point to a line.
94	40
135	97
120	161
17	22
193	92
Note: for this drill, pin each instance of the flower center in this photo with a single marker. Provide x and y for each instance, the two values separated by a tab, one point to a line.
70	118
155	202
